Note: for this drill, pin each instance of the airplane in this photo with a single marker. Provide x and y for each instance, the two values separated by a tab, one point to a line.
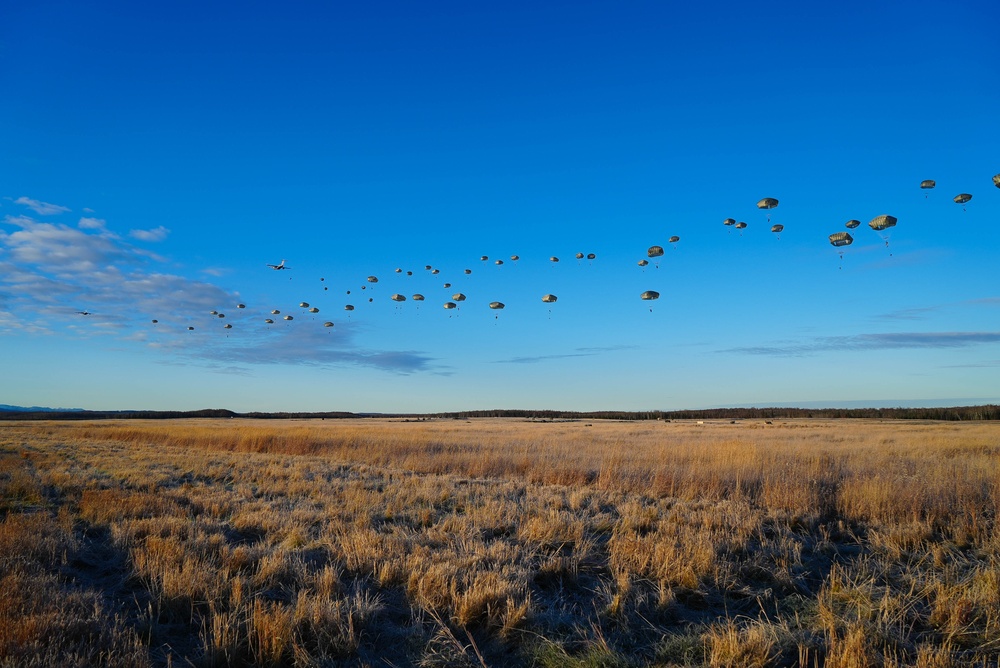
277	267
85	312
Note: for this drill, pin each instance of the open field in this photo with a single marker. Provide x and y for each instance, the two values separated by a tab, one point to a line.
500	542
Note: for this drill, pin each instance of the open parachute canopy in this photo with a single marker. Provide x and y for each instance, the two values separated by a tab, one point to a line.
549	299
881	223
767	203
927	184
996	180
777	228
839	239
398	298
649	295
962	198
497	306
654	251
851	224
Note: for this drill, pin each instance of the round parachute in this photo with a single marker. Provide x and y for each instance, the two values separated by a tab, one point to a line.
468	271
269	321
883	222
288	317
155	321
241	306
428	267
777	229
550	299
579	256
435	271
649	295
962	198
227	326
417	297
484	258
398	270
927	184
643	263
729	222
275	312
213	313
314	310
674	239
190	329
515	258
741	226
591	256
372	279
497	306
458	296
767	203
328	324
851	224
499	262
303	304
447	285
398	298
553	259
654	251
996	180
450	305
348	307
839	239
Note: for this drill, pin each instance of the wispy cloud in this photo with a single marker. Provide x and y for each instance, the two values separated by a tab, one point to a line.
41	208
908	313
91	223
861	342
578	352
156	234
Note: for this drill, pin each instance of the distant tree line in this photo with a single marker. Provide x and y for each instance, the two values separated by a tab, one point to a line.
958	413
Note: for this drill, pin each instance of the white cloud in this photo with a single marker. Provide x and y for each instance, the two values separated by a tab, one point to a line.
41	208
91	223
156	234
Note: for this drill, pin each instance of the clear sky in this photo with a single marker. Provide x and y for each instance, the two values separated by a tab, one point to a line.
154	158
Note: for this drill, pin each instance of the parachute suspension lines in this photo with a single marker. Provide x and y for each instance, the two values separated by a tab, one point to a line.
927	184
550	299
882	224
767	204
840	240
654	252
962	199
650	296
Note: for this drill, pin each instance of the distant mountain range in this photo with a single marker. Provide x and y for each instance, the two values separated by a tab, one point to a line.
37	409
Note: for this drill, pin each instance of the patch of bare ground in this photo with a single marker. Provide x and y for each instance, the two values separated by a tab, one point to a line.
499	542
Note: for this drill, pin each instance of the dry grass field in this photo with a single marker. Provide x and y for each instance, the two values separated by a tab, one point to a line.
374	542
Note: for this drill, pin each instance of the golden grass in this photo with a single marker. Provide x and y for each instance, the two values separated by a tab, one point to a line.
501	542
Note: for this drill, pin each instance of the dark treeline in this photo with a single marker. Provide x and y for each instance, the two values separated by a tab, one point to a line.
987	412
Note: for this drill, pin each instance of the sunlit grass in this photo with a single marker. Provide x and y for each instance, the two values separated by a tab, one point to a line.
228	542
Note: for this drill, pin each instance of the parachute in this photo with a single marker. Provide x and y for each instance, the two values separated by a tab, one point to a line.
650	295
553	259
840	240
591	256
484	258
767	204
267	320
654	251
314	310
962	199
881	224
288	317
398	298
303	304
499	262
515	258
155	321
435	271
450	305
447	285
275	312
227	326
328	324
468	271
996	180
428	267
190	329
579	256
497	306
550	299
458	296
398	270
417	297
372	279
777	229
213	313
643	263
241	306
729	222
851	224
348	307
927	184
674	239
741	226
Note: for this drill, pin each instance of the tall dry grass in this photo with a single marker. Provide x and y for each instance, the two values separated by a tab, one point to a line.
232	542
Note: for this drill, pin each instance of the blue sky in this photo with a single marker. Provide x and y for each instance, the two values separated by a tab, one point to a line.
156	158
